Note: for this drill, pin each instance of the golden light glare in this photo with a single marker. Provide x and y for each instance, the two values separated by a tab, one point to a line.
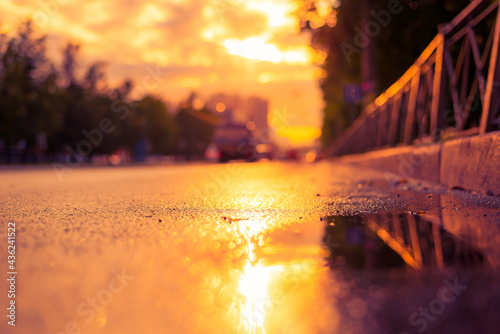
253	286
324	7
319	57
258	48
257	225
207	34
220	107
254	48
300	56
299	134
278	14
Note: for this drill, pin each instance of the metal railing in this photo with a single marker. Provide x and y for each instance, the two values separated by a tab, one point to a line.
452	90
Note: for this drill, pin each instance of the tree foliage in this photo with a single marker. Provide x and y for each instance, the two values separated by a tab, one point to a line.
27	82
157	124
62	105
337	27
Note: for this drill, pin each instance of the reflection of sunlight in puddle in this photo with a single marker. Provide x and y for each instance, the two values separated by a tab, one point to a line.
252	228
257	202
255	229
253	286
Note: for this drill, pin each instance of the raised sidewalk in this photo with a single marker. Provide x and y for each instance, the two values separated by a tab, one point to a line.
471	163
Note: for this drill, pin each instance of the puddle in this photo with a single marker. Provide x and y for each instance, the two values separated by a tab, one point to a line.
379	242
410	272
433	271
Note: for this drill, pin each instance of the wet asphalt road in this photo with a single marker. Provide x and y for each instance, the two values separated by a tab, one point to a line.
247	248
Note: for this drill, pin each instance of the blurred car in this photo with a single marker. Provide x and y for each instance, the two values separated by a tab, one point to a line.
234	141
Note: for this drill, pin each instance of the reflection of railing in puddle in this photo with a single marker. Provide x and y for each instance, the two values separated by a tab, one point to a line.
364	243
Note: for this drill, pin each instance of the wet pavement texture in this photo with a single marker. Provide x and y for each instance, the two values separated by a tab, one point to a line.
248	248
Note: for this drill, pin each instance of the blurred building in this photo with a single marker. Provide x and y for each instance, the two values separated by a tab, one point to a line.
257	110
235	109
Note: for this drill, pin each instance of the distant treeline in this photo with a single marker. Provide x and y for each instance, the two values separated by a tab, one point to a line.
68	113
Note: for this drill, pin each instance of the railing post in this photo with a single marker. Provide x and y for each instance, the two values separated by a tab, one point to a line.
439	89
491	105
412	107
382	124
394	119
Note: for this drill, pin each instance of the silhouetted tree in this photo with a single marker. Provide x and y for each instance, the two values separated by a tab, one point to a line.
158	126
27	86
56	110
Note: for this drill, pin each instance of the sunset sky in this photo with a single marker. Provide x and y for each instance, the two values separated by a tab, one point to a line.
172	47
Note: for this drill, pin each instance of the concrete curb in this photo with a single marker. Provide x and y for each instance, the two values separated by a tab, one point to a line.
471	163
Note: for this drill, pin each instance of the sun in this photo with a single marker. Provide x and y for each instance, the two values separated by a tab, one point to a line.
258	48
254	48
